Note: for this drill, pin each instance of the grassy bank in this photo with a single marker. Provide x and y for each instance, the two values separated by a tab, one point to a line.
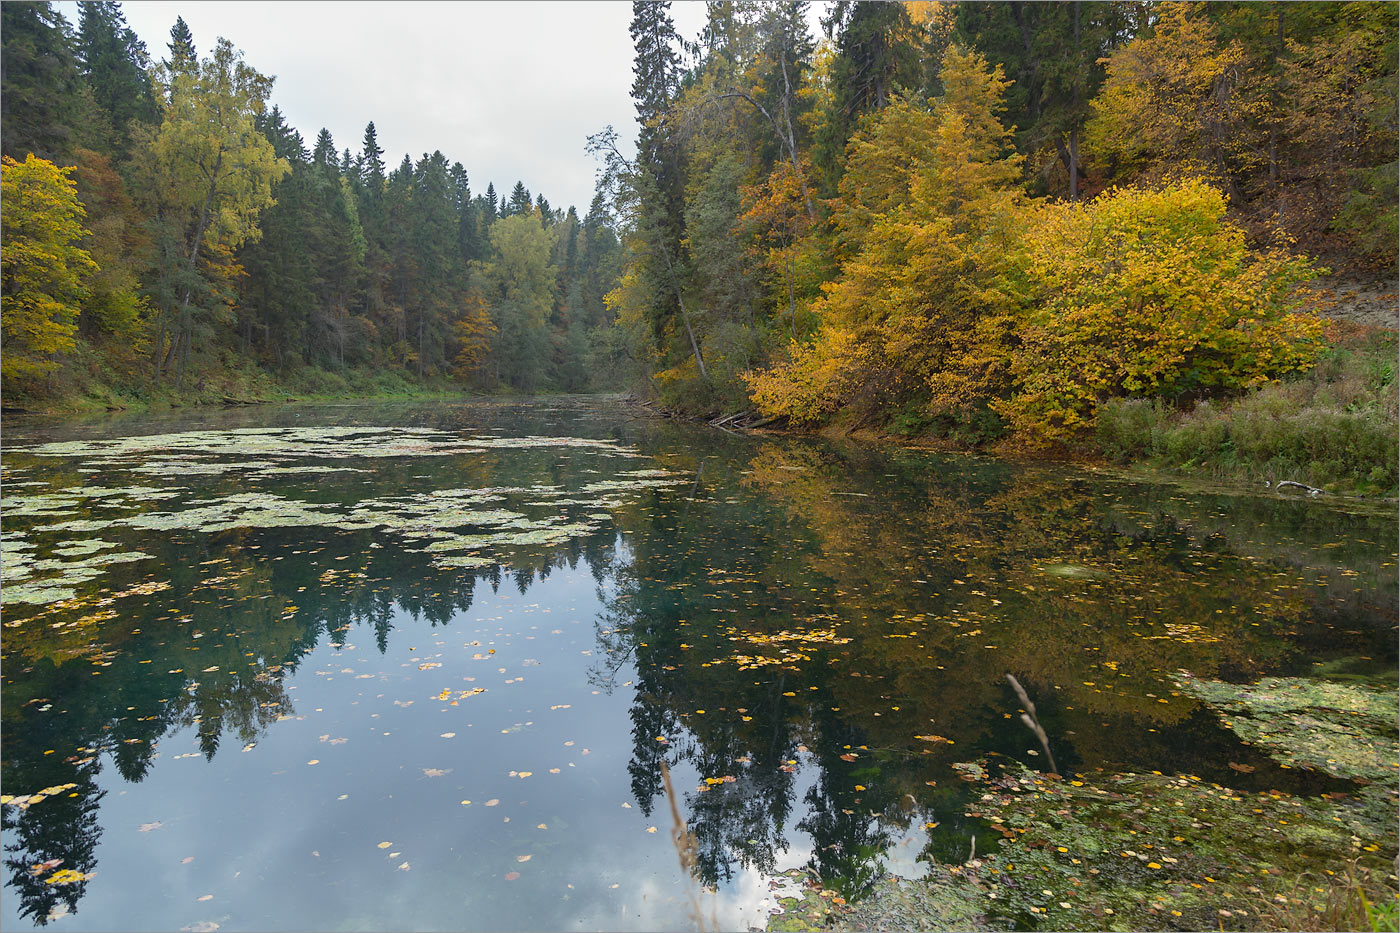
1334	427
97	384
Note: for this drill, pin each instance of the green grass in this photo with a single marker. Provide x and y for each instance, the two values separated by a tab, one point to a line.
1334	427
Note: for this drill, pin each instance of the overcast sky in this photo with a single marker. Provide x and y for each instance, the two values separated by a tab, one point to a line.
510	90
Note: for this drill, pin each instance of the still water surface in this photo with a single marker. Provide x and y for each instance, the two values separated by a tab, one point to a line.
417	666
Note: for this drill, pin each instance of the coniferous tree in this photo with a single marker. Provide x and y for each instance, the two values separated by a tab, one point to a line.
182	51
519	201
114	65
39	82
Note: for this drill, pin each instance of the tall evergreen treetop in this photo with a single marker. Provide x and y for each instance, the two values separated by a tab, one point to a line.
520	202
372	160
115	62
656	66
323	152
182	50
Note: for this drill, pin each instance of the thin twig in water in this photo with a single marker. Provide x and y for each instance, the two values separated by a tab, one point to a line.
1031	721
687	850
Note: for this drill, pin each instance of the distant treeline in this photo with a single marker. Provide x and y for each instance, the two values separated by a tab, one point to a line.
163	225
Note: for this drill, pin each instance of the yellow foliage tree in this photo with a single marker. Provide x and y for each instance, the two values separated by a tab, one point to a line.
928	218
1149	294
1173	99
204	175
473	332
43	268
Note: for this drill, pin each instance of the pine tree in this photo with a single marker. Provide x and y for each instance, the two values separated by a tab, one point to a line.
323	153
372	162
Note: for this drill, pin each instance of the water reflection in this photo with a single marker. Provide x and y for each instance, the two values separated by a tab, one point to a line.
810	635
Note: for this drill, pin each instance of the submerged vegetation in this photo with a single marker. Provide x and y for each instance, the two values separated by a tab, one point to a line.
1102	851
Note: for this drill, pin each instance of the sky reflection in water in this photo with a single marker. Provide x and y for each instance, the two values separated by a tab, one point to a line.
820	630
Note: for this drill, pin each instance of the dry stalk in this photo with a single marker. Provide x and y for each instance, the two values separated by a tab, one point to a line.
1031	721
687	850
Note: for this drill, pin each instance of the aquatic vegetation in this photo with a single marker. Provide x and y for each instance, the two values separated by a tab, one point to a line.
1157	851
458	532
1345	729
328	443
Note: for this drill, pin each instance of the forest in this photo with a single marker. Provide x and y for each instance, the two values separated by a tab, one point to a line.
1034	225
167	231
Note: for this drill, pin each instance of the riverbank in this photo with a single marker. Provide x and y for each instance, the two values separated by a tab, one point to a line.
1334	428
88	392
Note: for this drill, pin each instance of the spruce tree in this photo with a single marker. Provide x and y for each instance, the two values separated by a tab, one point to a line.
372	161
39	82
114	64
182	51
519	201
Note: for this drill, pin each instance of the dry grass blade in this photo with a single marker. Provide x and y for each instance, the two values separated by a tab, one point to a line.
687	850
1031	721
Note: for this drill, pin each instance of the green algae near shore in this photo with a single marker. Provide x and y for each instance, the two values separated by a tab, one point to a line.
1169	852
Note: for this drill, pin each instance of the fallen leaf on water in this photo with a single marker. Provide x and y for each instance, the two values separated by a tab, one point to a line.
512	875
553	770
626	805
147	827
384	845
403	866
860	787
1243	769
492	802
525	774
542	826
205	897
68	876
449	735
314	761
522	858
849	757
187	859
436	772
651	829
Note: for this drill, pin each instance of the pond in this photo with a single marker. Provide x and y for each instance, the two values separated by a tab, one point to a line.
418	666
